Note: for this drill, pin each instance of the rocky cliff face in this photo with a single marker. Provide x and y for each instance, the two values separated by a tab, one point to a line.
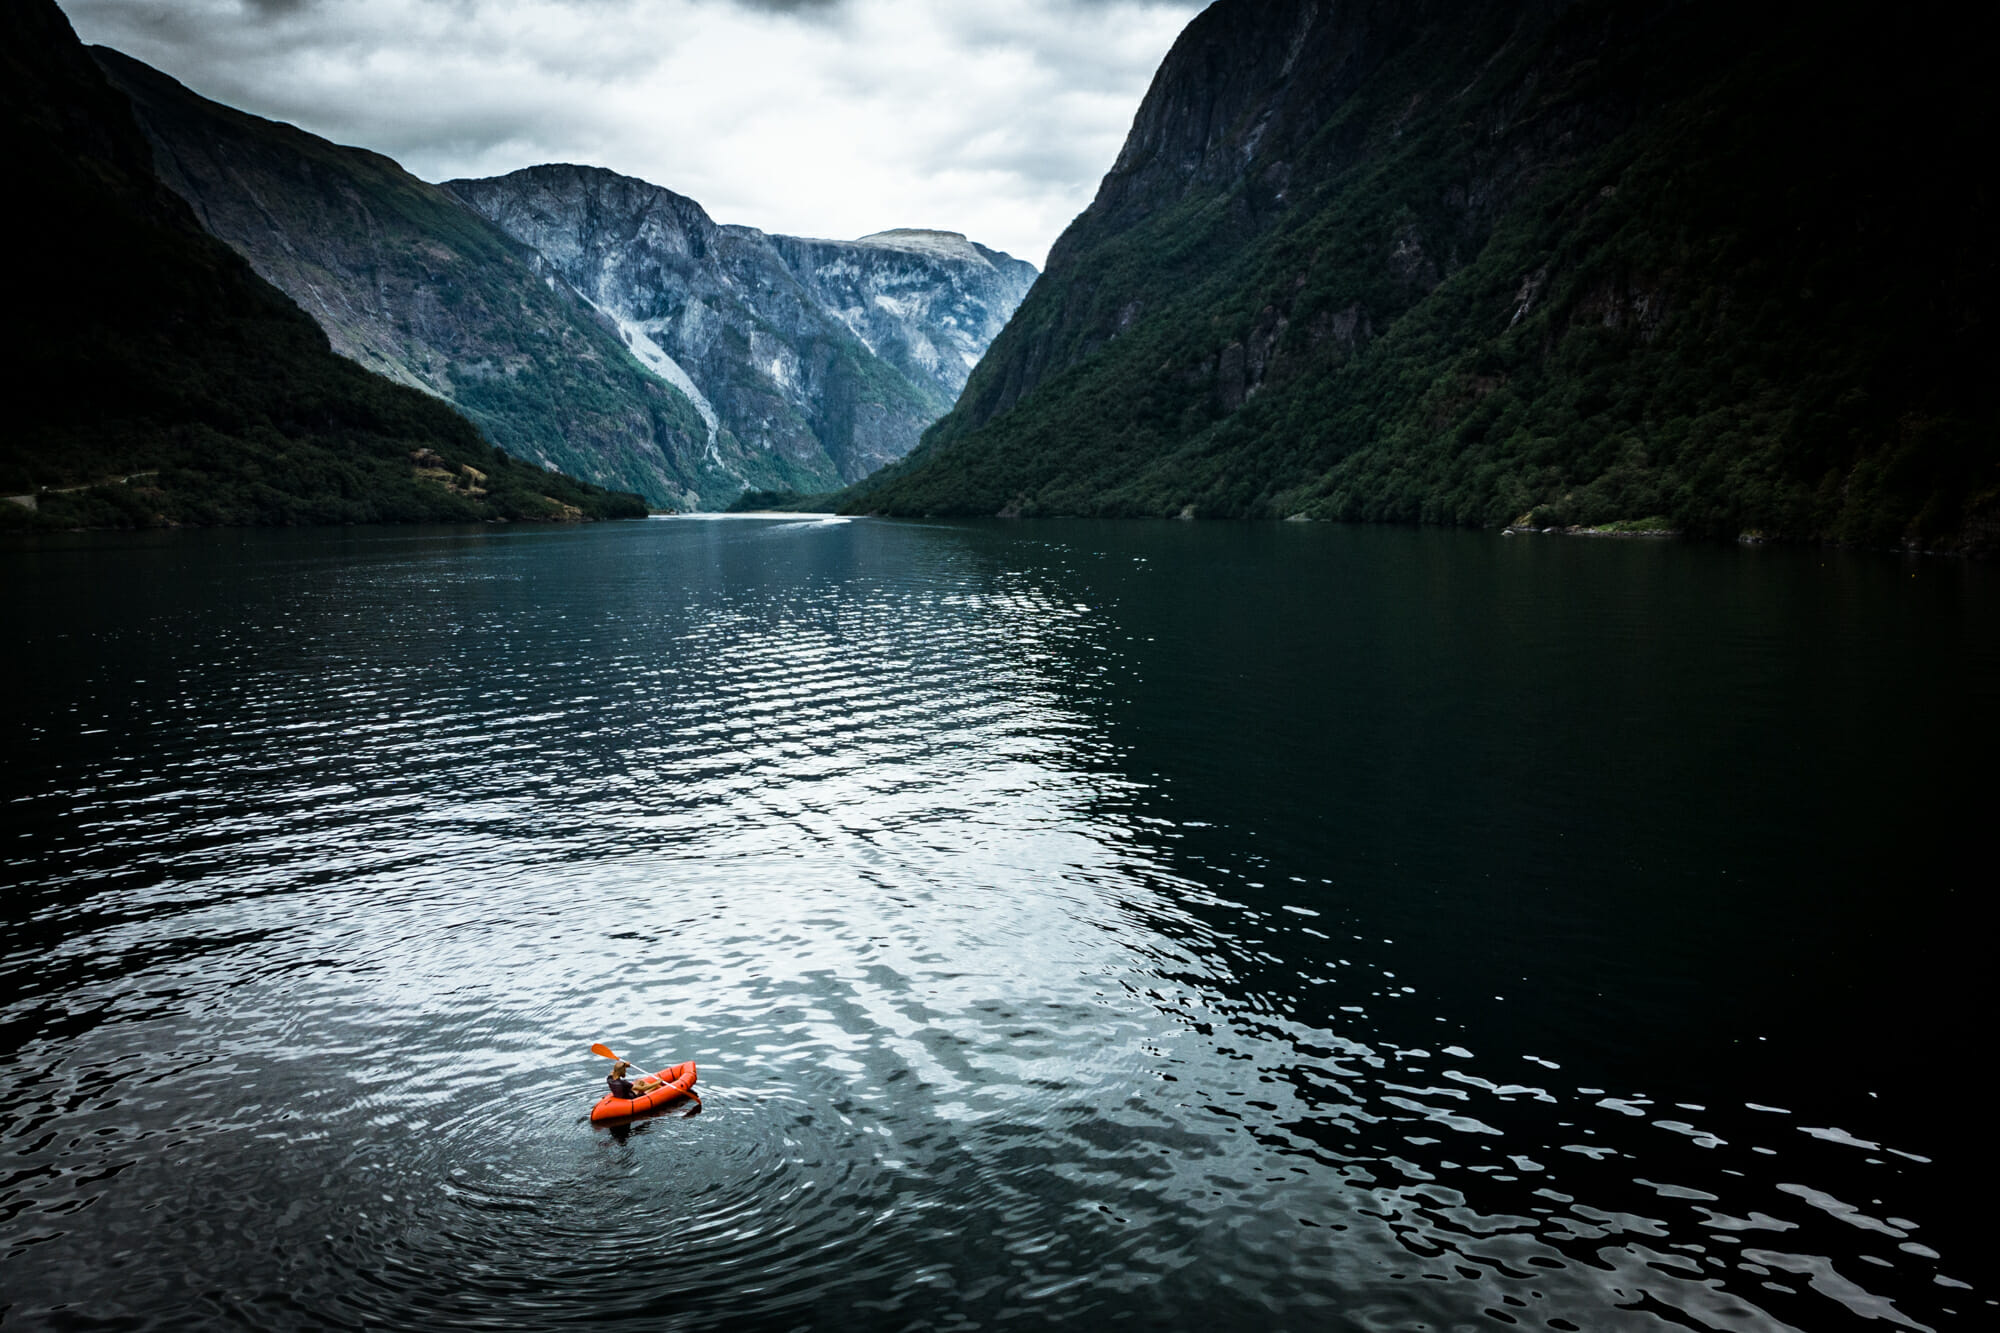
1478	261
831	356
155	379
590	322
929	302
410	284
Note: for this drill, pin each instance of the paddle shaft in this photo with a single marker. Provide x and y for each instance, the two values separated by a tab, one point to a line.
600	1048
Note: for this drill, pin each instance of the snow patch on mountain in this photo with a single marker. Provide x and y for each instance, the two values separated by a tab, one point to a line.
656	359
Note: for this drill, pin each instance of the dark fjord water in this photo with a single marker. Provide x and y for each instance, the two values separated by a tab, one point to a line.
1264	927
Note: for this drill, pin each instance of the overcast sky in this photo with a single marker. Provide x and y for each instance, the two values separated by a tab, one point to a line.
814	117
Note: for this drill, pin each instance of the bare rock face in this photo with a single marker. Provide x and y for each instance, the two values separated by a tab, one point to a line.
929	302
156	380
590	322
829	356
410	284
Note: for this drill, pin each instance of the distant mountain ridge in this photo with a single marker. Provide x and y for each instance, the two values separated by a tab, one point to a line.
1482	262
830	355
806	364
409	283
929	301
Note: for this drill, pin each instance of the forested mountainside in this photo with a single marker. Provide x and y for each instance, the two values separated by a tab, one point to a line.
829	356
1465	261
155	379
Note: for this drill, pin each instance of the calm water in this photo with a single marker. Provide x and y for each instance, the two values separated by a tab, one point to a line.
1267	927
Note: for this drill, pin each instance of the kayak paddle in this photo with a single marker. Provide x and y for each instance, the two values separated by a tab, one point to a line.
599	1048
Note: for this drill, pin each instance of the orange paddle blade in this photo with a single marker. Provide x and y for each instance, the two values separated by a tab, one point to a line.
599	1048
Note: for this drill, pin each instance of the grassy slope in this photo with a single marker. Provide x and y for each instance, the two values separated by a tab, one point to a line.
155	355
409	282
1759	300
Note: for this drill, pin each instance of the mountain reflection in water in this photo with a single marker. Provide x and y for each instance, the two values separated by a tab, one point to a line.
1258	926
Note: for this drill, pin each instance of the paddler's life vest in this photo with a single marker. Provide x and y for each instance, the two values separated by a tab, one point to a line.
619	1087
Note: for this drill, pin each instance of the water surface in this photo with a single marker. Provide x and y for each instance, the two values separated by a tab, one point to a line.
1260	926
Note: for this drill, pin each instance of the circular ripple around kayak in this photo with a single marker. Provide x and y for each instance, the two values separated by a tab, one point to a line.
745	1191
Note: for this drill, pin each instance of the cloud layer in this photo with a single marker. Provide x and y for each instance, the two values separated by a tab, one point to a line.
813	117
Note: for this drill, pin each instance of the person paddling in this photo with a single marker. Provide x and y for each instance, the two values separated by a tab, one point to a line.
622	1087
629	1096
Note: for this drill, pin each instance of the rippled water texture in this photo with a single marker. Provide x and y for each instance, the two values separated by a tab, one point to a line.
1244	927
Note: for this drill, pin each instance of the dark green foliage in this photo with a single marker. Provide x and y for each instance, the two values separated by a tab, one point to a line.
753	502
161	381
1608	264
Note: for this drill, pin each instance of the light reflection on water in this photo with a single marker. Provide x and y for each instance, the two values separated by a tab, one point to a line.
335	852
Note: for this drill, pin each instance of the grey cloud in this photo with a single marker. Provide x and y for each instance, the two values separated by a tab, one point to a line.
992	119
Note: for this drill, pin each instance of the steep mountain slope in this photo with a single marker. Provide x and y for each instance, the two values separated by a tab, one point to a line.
830	355
1470	261
154	378
410	284
930	302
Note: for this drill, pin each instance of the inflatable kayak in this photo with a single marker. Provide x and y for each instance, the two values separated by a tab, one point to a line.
674	1084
